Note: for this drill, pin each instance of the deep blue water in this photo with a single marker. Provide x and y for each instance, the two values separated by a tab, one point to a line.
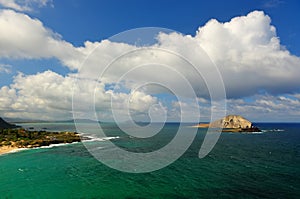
265	165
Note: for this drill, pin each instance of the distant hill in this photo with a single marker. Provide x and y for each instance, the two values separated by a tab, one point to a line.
76	120
21	120
5	125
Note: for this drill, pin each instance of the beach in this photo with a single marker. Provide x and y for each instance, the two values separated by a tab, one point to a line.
7	149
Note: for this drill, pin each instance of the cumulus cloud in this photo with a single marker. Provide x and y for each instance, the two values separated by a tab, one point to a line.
48	95
25	5
281	108
246	50
35	96
249	55
24	37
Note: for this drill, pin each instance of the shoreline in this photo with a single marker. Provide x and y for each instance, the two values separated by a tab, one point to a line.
14	140
9	149
12	149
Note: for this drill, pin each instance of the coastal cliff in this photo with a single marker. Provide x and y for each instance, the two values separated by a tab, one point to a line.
231	123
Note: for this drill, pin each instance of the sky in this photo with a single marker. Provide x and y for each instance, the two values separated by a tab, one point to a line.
51	49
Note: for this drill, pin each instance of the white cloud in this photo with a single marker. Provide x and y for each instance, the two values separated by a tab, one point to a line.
282	108
5	68
48	95
246	50
12	4
25	37
7	97
25	5
248	53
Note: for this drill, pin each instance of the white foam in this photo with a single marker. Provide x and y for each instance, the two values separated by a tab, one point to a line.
54	145
278	130
35	148
257	132
273	130
92	139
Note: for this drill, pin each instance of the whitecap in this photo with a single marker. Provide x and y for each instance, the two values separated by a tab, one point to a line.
92	139
258	132
273	130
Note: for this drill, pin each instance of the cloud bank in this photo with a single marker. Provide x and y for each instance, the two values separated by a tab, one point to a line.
246	50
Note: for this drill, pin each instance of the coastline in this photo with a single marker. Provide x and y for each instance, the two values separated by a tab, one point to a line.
8	149
14	140
12	149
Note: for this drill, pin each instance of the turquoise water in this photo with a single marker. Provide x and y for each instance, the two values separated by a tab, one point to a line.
263	165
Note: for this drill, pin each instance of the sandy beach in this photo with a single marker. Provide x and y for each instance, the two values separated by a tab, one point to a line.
202	125
7	149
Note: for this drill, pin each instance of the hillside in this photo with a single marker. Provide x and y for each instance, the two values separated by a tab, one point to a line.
6	125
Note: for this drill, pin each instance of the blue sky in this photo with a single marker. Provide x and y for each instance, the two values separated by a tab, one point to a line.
80	21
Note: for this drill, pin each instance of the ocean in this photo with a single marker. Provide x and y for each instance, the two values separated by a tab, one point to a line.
260	165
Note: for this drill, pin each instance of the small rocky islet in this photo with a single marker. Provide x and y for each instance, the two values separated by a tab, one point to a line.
231	123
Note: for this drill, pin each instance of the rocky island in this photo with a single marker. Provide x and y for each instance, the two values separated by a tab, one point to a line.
231	123
13	137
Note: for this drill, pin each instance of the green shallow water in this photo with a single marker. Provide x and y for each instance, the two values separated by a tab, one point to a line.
240	166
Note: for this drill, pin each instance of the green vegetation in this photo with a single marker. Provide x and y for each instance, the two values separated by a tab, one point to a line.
29	139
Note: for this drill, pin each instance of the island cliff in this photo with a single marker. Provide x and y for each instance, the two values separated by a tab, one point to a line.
231	123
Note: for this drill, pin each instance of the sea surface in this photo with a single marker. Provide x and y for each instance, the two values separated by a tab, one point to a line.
260	165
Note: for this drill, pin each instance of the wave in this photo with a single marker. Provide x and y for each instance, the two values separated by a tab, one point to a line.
92	139
255	132
273	130
258	132
17	150
35	148
53	145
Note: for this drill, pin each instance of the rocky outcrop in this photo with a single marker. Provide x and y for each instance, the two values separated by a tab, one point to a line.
232	122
